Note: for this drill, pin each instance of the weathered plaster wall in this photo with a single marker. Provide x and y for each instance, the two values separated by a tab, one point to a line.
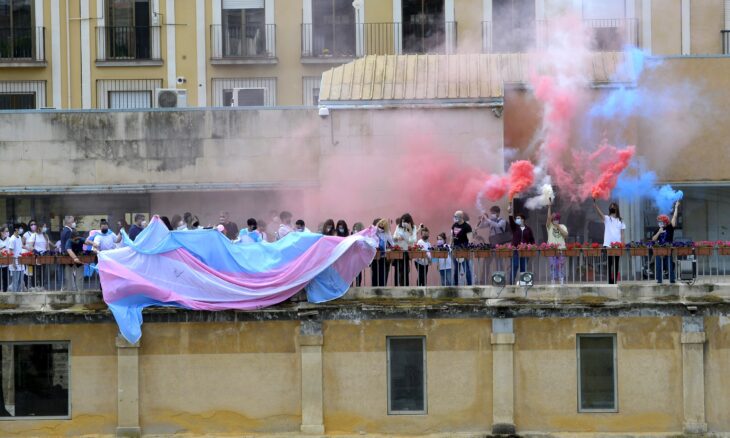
717	372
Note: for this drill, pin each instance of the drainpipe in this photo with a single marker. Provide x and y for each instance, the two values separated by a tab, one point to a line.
727	14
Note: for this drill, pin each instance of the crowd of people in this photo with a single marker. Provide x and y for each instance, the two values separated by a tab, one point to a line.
33	239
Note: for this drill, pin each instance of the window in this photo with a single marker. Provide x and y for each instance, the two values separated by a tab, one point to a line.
310	90
16	29
333	28
597	373
126	93
607	20
244	97
128	31
130	99
423	26
514	25
254	88
34	379
244	30
17	101
407	375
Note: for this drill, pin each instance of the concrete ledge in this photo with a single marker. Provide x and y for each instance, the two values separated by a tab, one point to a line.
129	432
503	338
695	428
312	429
244	61
311	340
693	338
503	429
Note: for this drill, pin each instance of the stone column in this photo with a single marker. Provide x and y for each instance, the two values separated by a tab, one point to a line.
503	386
310	346
127	388
693	374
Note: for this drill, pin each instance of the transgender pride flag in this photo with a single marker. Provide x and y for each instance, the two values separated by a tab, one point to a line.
203	270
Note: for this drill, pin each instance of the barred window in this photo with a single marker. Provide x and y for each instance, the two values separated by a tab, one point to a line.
224	90
406	375
126	93
18	95
597	373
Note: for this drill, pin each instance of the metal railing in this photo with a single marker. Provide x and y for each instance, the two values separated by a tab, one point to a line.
22	44
362	39
48	273
127	43
241	42
725	35
607	35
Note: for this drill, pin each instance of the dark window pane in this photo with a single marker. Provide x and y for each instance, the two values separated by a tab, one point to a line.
34	380
250	97
407	374
423	26
597	373
19	101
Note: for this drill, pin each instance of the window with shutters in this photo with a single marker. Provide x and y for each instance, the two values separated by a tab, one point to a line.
22	95
17	101
16	30
127	33
244	91
34	380
406	375
333	28
130	99
424	29
597	373
244	97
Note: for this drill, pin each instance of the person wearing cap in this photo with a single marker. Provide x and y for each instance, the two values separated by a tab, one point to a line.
557	233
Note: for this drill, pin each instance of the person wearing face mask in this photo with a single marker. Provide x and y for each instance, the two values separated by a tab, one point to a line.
301	227
613	232
404	236
231	227
177	222
381	265
105	239
422	264
69	225
137	226
444	264
521	234
665	235
27	232
4	240
557	233
341	229
328	228
285	225
250	234
40	244
15	250
356	228
461	234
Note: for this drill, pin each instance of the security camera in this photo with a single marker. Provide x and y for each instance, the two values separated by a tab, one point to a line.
324	111
181	80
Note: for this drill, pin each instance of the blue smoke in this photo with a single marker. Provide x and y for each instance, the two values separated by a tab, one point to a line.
642	184
665	197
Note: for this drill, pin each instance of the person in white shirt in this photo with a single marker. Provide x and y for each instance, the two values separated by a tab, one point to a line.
38	243
15	249
4	240
405	236
105	239
613	232
444	264
557	233
285	226
422	263
301	227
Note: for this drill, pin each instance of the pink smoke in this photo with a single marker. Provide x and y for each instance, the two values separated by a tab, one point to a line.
611	171
521	177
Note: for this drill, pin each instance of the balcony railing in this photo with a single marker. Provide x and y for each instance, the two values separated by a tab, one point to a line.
128	43
22	44
243	42
355	40
725	34
607	35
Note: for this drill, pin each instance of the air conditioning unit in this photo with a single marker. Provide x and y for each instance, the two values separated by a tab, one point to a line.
171	98
248	97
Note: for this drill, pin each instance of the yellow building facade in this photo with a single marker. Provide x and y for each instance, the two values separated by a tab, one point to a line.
107	54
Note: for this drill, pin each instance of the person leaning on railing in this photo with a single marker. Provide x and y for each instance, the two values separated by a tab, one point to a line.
381	265
521	234
15	249
665	235
461	234
74	245
4	240
405	236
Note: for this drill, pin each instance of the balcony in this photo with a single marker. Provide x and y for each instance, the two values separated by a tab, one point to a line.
725	34
22	47
128	45
606	35
341	43
249	44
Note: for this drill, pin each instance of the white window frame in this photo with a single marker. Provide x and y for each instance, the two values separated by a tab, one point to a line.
309	83
267	83
425	376
217	22
68	367
449	16
615	372
101	5
38	88
307	40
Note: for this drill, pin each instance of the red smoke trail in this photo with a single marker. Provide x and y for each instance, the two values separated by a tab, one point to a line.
521	177
607	181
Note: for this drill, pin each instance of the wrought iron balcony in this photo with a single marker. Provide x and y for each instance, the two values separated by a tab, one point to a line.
128	43
255	41
25	44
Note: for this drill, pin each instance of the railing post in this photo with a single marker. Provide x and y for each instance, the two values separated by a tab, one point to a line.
127	388
503	402
693	374
310	346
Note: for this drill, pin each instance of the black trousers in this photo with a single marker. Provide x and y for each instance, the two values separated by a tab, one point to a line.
422	274
613	269
380	269
402	270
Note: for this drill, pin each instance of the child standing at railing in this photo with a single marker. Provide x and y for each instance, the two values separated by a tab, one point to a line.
557	233
444	264
422	263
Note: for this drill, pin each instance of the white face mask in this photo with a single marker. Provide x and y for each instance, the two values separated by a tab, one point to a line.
439	242
493	216
660	224
456	219
44	230
33	227
20	231
144	224
5	234
518	221
73	225
341	230
556	222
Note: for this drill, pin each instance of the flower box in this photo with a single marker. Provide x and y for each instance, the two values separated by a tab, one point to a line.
417	254
660	251
482	254
725	250
684	250
64	260
462	253
639	252
5	261
26	260
572	252
439	254
394	255
504	253
45	260
527	252
549	252
615	252
703	250
86	259
592	252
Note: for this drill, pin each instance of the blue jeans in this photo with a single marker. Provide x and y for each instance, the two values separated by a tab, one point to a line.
467	269
445	277
660	263
519	264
